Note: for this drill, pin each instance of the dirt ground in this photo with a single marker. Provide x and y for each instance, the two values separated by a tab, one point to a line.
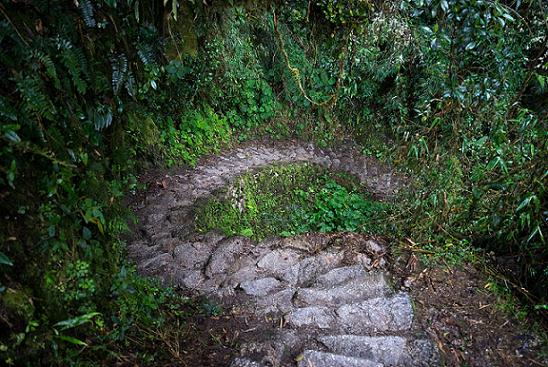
464	319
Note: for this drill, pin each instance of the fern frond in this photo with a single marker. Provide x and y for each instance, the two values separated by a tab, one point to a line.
75	61
87	13
35	99
100	116
146	53
130	84
47	63
119	72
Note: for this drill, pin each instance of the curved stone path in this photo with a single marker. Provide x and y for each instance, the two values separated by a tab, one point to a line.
310	301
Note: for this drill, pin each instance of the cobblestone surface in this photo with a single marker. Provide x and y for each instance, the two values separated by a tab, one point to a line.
335	308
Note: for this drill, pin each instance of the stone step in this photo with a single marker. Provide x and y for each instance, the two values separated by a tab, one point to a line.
392	313
340	275
388	350
353	290
313	358
224	258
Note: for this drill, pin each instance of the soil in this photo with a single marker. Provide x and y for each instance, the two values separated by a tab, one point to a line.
464	318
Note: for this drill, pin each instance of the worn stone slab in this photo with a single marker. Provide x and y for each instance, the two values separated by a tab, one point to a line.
192	255
377	314
260	287
308	268
340	275
313	316
388	350
280	302
278	261
312	358
226	253
353	290
245	362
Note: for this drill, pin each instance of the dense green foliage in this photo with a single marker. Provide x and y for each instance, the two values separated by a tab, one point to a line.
92	91
290	200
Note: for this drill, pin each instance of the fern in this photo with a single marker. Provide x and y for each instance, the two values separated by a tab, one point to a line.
35	100
100	117
7	112
87	13
130	84
75	62
146	53
49	66
119	72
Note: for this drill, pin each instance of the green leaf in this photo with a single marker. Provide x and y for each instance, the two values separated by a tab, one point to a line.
471	46
525	202
76	321
444	5
247	232
12	136
72	340
4	260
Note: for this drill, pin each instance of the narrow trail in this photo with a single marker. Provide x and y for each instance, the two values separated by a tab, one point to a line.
310	301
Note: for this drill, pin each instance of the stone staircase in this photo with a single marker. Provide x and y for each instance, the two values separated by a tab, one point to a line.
335	308
314	301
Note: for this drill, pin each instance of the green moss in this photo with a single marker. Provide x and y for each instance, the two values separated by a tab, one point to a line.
18	302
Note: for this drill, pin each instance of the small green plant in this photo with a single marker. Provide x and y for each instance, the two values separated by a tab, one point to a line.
288	200
198	133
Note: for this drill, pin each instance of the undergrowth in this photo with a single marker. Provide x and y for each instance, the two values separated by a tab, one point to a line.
286	200
92	92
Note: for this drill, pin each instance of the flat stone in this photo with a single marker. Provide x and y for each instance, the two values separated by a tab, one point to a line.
377	314
340	275
388	350
353	290
313	316
279	302
374	247
245	362
260	287
156	265
312	358
192	255
278	261
244	274
225	255
309	268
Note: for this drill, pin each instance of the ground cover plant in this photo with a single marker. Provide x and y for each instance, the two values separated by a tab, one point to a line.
453	92
290	200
